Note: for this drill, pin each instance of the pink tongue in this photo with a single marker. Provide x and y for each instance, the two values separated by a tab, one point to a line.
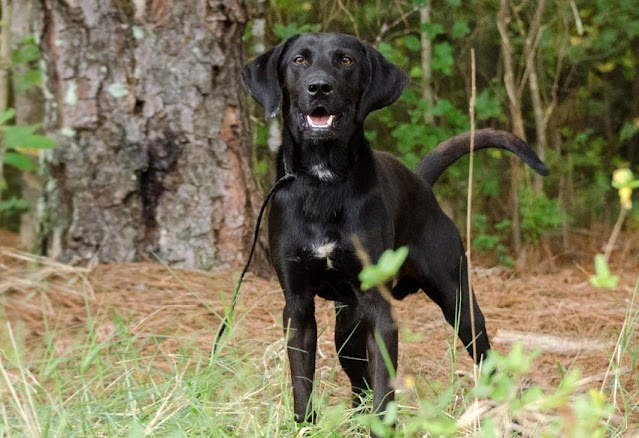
320	120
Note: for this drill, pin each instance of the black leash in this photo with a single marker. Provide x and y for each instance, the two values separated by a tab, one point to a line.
227	317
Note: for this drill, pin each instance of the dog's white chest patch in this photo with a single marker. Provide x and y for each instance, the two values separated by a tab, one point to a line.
320	171
323	251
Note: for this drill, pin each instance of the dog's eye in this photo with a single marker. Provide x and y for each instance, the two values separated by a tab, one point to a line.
346	60
299	60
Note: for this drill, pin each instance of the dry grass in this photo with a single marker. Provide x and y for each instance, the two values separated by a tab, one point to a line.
185	306
188	302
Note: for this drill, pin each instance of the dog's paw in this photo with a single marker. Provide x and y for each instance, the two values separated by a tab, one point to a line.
310	418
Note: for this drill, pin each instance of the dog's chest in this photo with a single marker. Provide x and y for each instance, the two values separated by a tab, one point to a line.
310	229
324	251
324	261
327	267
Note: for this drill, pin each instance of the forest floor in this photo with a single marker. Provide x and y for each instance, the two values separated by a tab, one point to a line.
550	305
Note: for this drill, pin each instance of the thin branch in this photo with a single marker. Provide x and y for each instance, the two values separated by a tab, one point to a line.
531	42
507	49
555	84
575	13
386	27
350	17
469	203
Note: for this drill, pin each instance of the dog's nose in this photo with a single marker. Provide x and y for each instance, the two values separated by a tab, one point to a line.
319	86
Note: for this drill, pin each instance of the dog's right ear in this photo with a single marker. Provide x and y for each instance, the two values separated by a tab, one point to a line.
385	83
261	80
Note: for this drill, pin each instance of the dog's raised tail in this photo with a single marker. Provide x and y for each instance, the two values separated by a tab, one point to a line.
446	153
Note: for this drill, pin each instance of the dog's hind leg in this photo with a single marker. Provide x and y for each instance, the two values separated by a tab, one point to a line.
443	268
451	293
350	342
405	286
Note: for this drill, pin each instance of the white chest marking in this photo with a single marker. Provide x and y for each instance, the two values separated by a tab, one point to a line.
323	251
320	171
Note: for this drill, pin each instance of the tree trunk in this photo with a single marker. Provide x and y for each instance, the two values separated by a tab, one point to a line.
562	196
541	123
153	154
514	100
427	73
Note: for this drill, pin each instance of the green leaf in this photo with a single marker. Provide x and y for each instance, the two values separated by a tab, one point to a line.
26	53
502	225
487	107
391	261
285	32
15	134
560	368
460	29
533	394
603	277
136	430
28	80
415	72
485	242
22	136
488	429
7	115
412	43
391	414
14	205
628	130
632	29
432	30
443	57
385	269
19	161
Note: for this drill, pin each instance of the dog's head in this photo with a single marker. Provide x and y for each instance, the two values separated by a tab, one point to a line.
326	84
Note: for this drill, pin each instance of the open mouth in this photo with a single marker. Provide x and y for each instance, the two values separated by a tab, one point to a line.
320	118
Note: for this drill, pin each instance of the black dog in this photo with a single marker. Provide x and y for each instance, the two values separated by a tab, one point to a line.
325	85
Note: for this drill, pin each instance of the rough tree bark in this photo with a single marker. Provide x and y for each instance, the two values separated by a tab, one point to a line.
145	100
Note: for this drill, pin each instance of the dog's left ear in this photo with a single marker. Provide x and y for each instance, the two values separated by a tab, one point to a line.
385	84
261	79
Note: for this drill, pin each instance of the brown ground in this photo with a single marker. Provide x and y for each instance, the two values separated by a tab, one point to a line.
552	296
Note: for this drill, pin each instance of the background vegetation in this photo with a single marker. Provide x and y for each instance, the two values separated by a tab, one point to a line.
573	94
562	73
576	90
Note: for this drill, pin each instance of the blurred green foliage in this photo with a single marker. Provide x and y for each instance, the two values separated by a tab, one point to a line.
22	143
587	56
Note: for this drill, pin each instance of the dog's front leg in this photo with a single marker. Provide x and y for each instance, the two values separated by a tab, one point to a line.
301	331
382	341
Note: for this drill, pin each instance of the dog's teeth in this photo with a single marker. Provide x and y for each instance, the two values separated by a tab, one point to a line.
312	124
